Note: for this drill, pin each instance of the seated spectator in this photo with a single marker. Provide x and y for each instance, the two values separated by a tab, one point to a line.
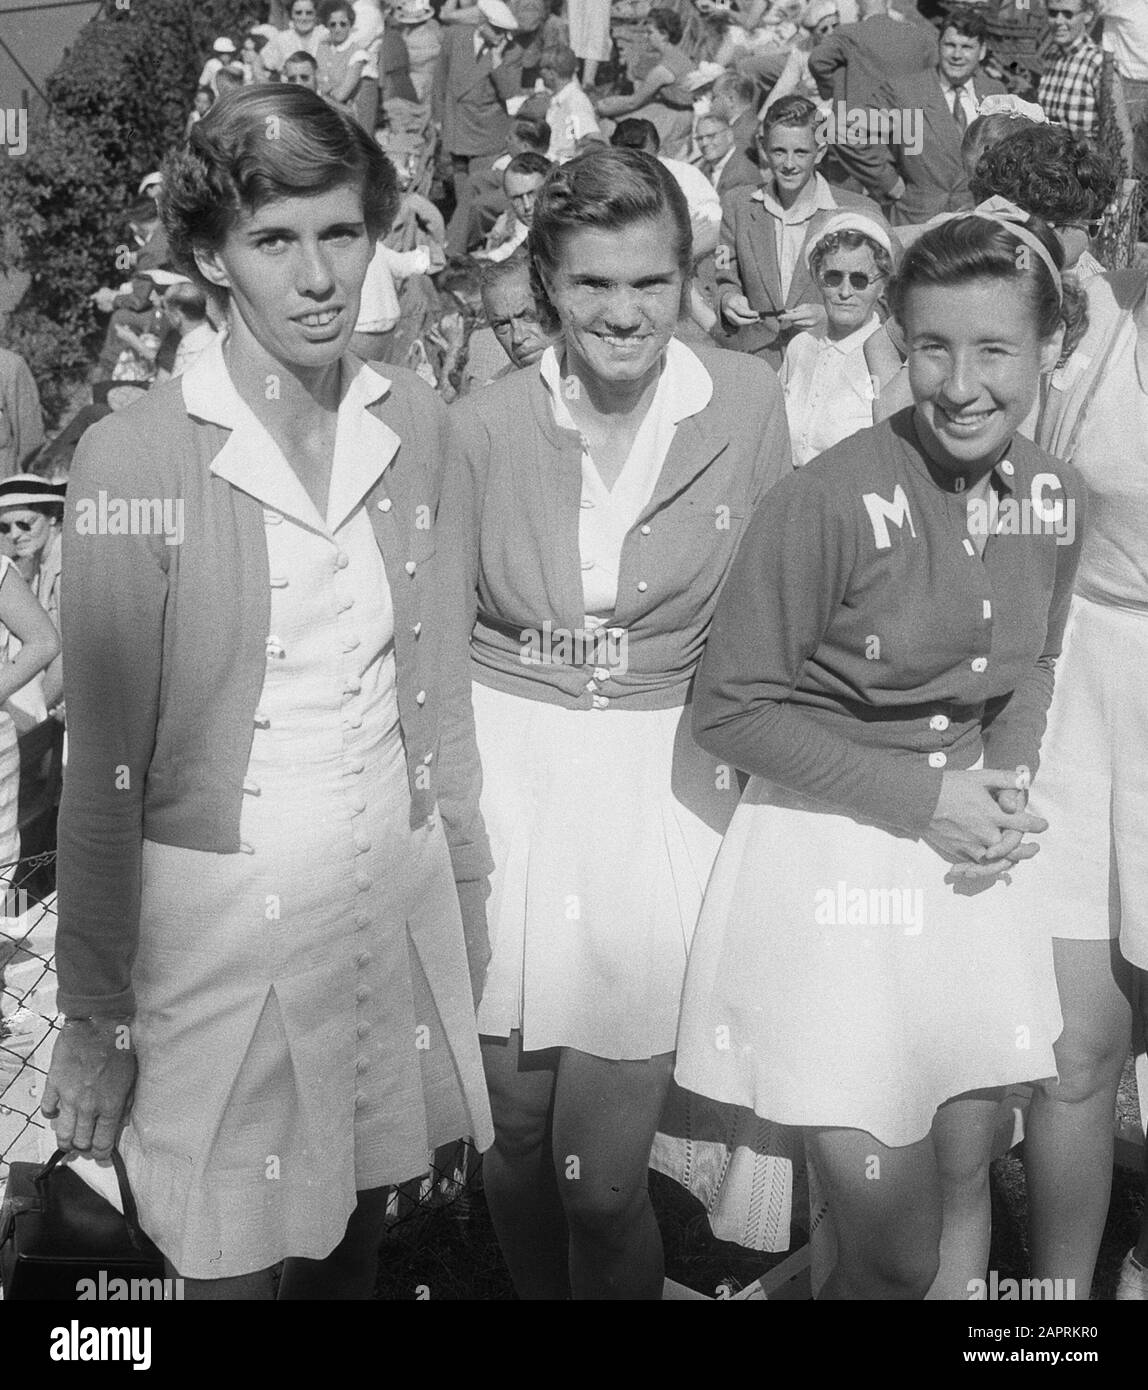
735	98
818	22
763	52
301	70
488	199
570	114
251	60
523	178
512	336
31	512
1058	176
721	161
765	291
132	305
222	52
21	419
303	35
662	96
830	376
636	133
201	105
185	308
342	63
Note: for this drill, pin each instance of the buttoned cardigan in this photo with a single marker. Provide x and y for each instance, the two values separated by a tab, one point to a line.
166	655
512	500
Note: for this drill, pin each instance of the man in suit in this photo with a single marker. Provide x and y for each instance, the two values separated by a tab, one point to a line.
853	64
721	161
479	70
922	173
765	293
735	98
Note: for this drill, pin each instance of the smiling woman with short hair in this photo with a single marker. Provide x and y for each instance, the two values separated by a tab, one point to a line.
264	710
600	495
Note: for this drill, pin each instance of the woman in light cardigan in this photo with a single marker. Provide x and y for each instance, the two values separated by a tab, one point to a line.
602	494
267	698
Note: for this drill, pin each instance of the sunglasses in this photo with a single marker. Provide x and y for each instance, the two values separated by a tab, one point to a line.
1063	14
24	527
858	280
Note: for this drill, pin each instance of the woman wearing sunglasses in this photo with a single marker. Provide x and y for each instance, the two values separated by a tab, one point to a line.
31	510
832	374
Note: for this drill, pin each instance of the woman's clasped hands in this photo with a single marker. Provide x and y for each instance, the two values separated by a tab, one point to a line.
980	822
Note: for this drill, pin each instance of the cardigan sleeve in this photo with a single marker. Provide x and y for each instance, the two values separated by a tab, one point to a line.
113	630
790	574
1015	725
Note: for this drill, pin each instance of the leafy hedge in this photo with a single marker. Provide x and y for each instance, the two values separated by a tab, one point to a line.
119	100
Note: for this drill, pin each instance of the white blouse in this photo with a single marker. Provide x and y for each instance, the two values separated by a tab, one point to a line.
829	393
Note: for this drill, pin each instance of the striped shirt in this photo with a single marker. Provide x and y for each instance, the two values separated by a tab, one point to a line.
1070	88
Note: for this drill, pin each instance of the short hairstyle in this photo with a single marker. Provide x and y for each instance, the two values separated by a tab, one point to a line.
495	272
636	133
529	163
335	7
849	241
666	21
230	168
966	21
532	131
1049	171
794	111
302	56
562	59
970	248
608	190
733	84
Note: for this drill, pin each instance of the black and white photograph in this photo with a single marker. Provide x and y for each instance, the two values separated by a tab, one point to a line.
574	702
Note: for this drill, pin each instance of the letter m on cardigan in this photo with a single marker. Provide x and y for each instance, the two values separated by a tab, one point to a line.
882	512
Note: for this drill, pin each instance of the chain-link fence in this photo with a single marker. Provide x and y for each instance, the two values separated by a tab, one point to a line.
29	1025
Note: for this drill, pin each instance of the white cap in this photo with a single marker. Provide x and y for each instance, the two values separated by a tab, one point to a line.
151	180
1005	104
500	15
223	45
164	277
850	222
704	75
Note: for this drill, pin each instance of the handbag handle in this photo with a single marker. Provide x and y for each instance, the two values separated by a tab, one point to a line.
131	1215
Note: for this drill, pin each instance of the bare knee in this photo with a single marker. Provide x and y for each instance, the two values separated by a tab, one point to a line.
1089	1066
892	1267
599	1208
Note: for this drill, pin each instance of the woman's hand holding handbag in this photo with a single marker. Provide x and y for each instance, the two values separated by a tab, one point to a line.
88	1093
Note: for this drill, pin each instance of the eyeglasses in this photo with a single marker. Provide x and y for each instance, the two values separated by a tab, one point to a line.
1063	14
24	527
858	280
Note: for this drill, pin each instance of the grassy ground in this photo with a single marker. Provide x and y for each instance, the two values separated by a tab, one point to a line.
451	1252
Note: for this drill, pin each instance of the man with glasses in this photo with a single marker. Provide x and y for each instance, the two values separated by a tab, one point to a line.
721	161
921	171
1070	87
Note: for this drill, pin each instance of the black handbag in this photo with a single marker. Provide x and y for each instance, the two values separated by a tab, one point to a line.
57	1232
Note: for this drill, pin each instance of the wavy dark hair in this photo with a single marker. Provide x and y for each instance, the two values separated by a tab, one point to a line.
667	22
256	147
966	249
1048	171
607	189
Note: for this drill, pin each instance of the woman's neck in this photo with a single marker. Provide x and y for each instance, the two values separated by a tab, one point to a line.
610	398
945	470
282	397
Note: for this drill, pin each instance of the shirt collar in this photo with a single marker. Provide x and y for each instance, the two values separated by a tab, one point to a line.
251	460
685	387
855	339
816	196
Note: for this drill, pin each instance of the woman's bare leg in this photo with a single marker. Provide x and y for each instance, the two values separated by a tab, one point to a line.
1068	1132
605	1116
245	1287
518	1172
962	1139
351	1270
886	1206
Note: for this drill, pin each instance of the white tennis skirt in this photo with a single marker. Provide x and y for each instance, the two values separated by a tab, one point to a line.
1090	880
603	826
837	980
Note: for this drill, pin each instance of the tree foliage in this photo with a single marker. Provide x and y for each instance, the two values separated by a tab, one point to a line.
118	102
